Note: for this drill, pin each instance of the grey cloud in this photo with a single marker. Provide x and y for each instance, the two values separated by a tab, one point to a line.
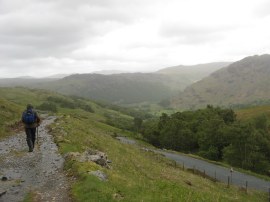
42	34
263	10
44	28
191	34
106	10
35	35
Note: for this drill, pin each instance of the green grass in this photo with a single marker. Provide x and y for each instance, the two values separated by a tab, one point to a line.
252	112
29	197
153	109
135	175
9	114
224	164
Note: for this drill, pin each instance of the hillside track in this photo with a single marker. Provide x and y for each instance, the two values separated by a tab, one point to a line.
39	172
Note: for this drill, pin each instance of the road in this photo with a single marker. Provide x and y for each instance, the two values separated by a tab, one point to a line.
221	173
215	171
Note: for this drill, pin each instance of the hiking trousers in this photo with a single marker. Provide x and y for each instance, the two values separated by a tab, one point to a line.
30	137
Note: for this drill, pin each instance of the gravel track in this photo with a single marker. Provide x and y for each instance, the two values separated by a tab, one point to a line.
39	172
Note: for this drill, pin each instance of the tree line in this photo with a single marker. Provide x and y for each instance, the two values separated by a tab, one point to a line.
215	134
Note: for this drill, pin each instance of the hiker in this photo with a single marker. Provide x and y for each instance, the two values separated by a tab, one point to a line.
31	121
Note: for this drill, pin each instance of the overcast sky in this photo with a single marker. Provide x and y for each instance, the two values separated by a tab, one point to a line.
45	37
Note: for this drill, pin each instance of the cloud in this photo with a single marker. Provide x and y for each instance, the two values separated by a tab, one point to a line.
263	9
38	34
191	34
89	35
45	28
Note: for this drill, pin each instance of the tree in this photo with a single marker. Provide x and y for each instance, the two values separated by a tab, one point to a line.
137	123
151	132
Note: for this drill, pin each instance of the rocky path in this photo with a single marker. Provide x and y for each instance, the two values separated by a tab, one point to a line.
39	172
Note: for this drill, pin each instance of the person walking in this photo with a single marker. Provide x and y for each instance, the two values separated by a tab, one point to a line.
31	121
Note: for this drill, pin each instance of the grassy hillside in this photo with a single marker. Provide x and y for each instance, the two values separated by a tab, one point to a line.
182	76
9	115
243	82
12	82
118	88
125	88
135	175
252	112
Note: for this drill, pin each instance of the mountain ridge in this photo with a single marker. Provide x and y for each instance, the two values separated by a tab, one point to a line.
127	88
124	88
242	82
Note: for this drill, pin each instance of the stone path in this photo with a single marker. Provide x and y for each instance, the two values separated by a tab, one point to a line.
39	172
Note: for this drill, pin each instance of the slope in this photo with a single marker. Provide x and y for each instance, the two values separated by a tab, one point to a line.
118	88
125	88
24	81
253	112
243	82
182	76
134	174
9	114
130	88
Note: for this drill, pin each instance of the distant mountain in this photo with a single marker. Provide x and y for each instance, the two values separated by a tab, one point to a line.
117	88
24	81
182	76
109	72
242	82
124	88
25	77
58	76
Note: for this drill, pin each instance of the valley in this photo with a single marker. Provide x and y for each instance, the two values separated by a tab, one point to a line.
92	111
133	174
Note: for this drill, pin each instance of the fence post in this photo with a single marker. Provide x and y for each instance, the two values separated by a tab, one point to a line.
246	186
269	193
231	171
228	185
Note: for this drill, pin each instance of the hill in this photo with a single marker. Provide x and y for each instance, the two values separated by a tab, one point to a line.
129	88
117	88
24	81
135	175
253	112
9	113
244	82
182	76
124	88
109	72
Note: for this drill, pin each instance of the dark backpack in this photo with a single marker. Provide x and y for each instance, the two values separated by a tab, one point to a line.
29	117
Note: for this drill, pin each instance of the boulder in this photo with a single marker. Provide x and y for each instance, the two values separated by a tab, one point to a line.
98	157
2	192
101	175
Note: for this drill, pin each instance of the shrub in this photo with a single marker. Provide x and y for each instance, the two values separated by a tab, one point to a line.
47	106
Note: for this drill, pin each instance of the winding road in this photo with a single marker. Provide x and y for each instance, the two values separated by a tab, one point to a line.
215	171
218	172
